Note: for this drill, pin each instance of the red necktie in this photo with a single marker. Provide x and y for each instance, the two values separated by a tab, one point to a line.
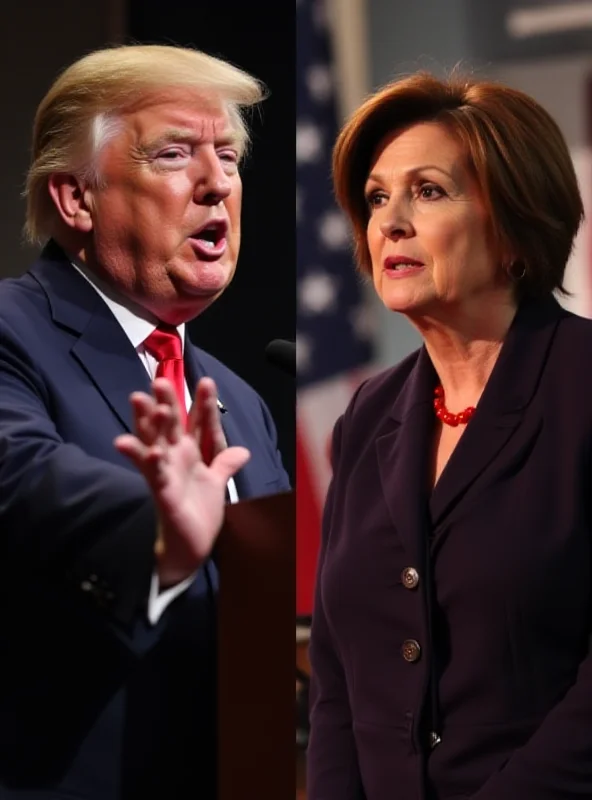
165	345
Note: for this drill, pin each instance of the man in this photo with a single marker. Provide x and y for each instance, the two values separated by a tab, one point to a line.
109	509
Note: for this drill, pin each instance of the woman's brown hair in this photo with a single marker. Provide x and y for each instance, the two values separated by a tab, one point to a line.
515	148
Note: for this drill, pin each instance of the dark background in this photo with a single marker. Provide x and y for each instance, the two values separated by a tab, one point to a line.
260	303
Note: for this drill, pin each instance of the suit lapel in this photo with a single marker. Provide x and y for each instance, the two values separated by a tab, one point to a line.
101	346
193	369
112	363
485	438
496	428
404	454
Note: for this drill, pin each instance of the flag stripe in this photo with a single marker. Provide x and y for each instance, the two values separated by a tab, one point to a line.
334	334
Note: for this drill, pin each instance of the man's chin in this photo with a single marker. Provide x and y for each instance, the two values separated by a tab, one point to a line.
206	279
185	306
203	291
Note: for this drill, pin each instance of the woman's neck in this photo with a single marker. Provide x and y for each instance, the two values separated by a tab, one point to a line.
464	347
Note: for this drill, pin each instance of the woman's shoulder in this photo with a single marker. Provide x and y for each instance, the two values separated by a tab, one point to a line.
577	324
364	417
381	388
573	343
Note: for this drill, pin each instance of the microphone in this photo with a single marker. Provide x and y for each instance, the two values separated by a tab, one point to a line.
282	353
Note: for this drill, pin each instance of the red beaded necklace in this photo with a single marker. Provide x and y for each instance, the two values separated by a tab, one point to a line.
445	415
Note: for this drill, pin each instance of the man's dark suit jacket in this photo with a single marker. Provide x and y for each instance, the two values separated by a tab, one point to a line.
508	527
94	702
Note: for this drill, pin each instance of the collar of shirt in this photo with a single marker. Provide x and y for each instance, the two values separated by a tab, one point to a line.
137	323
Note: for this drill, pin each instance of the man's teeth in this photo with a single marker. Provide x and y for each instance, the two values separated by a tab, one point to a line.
207	242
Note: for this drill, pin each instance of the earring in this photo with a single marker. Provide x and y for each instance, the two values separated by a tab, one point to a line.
513	275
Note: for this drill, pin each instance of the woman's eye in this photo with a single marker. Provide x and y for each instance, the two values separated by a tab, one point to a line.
431	191
375	199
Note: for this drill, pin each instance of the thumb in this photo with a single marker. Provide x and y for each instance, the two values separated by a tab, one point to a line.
228	462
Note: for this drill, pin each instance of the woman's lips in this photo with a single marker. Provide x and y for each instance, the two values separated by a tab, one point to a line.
400	267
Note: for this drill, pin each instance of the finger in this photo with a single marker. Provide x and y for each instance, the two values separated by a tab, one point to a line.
211	422
130	446
166	425
165	394
144	407
205	423
142	404
149	460
205	388
141	398
228	462
147	430
155	421
139	453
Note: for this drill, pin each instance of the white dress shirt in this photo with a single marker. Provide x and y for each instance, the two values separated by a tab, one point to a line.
138	324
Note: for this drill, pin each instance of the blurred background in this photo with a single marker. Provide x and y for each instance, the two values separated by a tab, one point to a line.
346	49
40	39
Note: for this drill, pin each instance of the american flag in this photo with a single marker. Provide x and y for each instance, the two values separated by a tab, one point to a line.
334	334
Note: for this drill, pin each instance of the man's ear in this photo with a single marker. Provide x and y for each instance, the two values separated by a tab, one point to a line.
72	198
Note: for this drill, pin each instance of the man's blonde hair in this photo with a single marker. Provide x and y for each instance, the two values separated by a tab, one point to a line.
81	111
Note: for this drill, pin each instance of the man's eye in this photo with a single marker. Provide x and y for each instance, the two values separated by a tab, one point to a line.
172	154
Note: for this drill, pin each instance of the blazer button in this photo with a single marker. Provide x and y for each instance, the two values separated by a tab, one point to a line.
411	650
410	577
434	739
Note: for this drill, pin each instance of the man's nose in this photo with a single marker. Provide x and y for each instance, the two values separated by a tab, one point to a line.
213	184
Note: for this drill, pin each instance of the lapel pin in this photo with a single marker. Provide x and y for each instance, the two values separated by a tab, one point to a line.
222	408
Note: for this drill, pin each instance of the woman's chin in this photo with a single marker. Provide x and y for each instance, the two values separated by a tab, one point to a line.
402	302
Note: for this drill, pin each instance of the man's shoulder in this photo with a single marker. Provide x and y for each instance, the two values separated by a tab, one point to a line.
22	303
19	287
27	292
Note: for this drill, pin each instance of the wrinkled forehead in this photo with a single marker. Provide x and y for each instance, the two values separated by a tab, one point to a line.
177	114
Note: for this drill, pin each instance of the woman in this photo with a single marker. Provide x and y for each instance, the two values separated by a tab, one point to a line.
449	644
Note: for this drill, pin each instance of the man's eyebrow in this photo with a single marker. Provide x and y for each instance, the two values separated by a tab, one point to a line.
179	135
